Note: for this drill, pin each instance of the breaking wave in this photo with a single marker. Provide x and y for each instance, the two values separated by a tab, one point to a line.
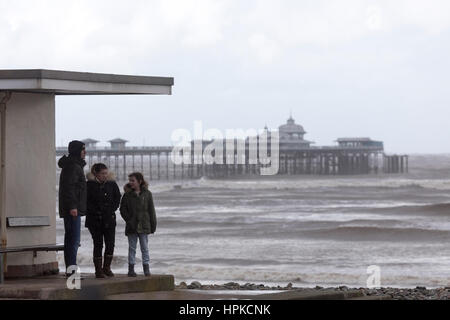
303	183
440	209
379	234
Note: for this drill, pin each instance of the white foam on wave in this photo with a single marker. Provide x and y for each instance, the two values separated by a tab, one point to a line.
302	182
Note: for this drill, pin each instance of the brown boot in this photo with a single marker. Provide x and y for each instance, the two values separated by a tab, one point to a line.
147	270
98	268
107	266
131	272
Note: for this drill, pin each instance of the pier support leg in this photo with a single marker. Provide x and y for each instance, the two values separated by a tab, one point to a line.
167	166
150	166
159	166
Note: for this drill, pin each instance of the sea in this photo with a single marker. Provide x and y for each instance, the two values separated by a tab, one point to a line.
305	230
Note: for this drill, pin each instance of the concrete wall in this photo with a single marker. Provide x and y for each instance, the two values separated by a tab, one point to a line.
30	174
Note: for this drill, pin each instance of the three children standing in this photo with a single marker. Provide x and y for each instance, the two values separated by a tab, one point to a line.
98	199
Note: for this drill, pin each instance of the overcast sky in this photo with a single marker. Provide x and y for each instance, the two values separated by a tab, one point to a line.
346	68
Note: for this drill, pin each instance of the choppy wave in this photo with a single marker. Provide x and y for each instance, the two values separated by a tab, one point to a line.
303	183
340	233
238	262
380	234
439	209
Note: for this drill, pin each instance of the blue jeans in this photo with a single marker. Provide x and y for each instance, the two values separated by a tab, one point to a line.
72	229
143	243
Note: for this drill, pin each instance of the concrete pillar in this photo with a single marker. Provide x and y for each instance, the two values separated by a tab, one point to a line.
3	238
30	179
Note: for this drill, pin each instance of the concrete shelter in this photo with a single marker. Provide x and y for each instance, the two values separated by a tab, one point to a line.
28	168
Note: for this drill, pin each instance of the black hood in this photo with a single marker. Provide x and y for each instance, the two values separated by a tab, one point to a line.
69	160
75	148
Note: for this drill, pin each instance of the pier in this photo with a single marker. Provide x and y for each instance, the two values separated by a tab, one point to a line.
350	156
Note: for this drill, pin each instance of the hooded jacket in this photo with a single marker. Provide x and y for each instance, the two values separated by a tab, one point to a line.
138	211
72	186
103	200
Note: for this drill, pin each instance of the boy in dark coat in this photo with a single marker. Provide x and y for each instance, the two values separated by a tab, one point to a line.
103	199
72	199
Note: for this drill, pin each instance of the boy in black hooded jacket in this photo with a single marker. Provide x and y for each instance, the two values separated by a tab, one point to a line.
72	200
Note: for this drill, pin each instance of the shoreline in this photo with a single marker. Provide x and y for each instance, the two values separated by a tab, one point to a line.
417	293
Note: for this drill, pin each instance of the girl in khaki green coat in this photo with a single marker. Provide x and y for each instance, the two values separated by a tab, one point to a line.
138	211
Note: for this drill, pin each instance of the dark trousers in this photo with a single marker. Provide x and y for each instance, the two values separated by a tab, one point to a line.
100	235
72	229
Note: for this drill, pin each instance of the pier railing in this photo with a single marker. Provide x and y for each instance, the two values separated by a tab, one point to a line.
156	163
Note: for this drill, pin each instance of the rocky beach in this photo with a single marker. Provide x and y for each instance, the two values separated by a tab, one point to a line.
418	293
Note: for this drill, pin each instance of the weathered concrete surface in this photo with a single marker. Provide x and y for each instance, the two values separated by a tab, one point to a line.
156	287
55	287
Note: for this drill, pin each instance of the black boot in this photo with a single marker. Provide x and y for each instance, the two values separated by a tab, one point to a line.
67	274
146	270
98	267
107	266
131	272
